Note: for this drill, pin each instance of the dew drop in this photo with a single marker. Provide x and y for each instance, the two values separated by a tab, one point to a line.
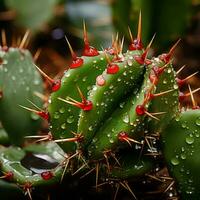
62	110
90	128
126	119
63	126
183	156
175	86
189	140
36	82
70	119
169	70
164	81
198	121
56	115
174	161
111	140
183	125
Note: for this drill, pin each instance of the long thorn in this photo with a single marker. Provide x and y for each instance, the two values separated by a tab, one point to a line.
37	54
171	51
85	35
190	76
180	70
162	93
130	34
87	173
139	33
192	97
34	104
3	37
116	192
24	39
44	74
41	96
74	57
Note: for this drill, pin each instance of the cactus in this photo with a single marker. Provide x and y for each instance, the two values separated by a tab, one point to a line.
104	114
18	81
182	154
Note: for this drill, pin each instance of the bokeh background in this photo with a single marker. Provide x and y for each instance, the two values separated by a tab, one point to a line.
50	20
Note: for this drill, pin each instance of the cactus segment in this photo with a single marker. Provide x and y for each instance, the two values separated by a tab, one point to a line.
165	97
18	81
123	120
63	116
180	145
132	165
14	162
105	98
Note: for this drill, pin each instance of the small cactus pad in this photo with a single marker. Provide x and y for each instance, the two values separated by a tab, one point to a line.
20	168
180	144
18	81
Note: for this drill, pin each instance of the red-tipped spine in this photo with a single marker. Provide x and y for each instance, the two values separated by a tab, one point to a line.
76	61
88	50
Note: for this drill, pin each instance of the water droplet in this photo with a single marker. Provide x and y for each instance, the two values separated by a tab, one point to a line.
119	79
175	86
63	126
111	140
84	78
70	119
56	115
126	119
169	70
189	140
90	128
124	73
121	105
174	161
183	156
36	82
129	62
62	110
198	121
183	125
165	81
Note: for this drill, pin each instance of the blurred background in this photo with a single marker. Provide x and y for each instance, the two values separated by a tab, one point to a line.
50	20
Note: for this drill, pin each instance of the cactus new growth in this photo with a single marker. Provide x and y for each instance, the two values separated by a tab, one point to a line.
105	116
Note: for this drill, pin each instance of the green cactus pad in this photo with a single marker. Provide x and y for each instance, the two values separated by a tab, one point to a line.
106	98
180	144
18	81
13	160
64	117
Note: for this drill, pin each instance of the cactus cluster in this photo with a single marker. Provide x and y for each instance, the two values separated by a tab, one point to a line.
112	113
